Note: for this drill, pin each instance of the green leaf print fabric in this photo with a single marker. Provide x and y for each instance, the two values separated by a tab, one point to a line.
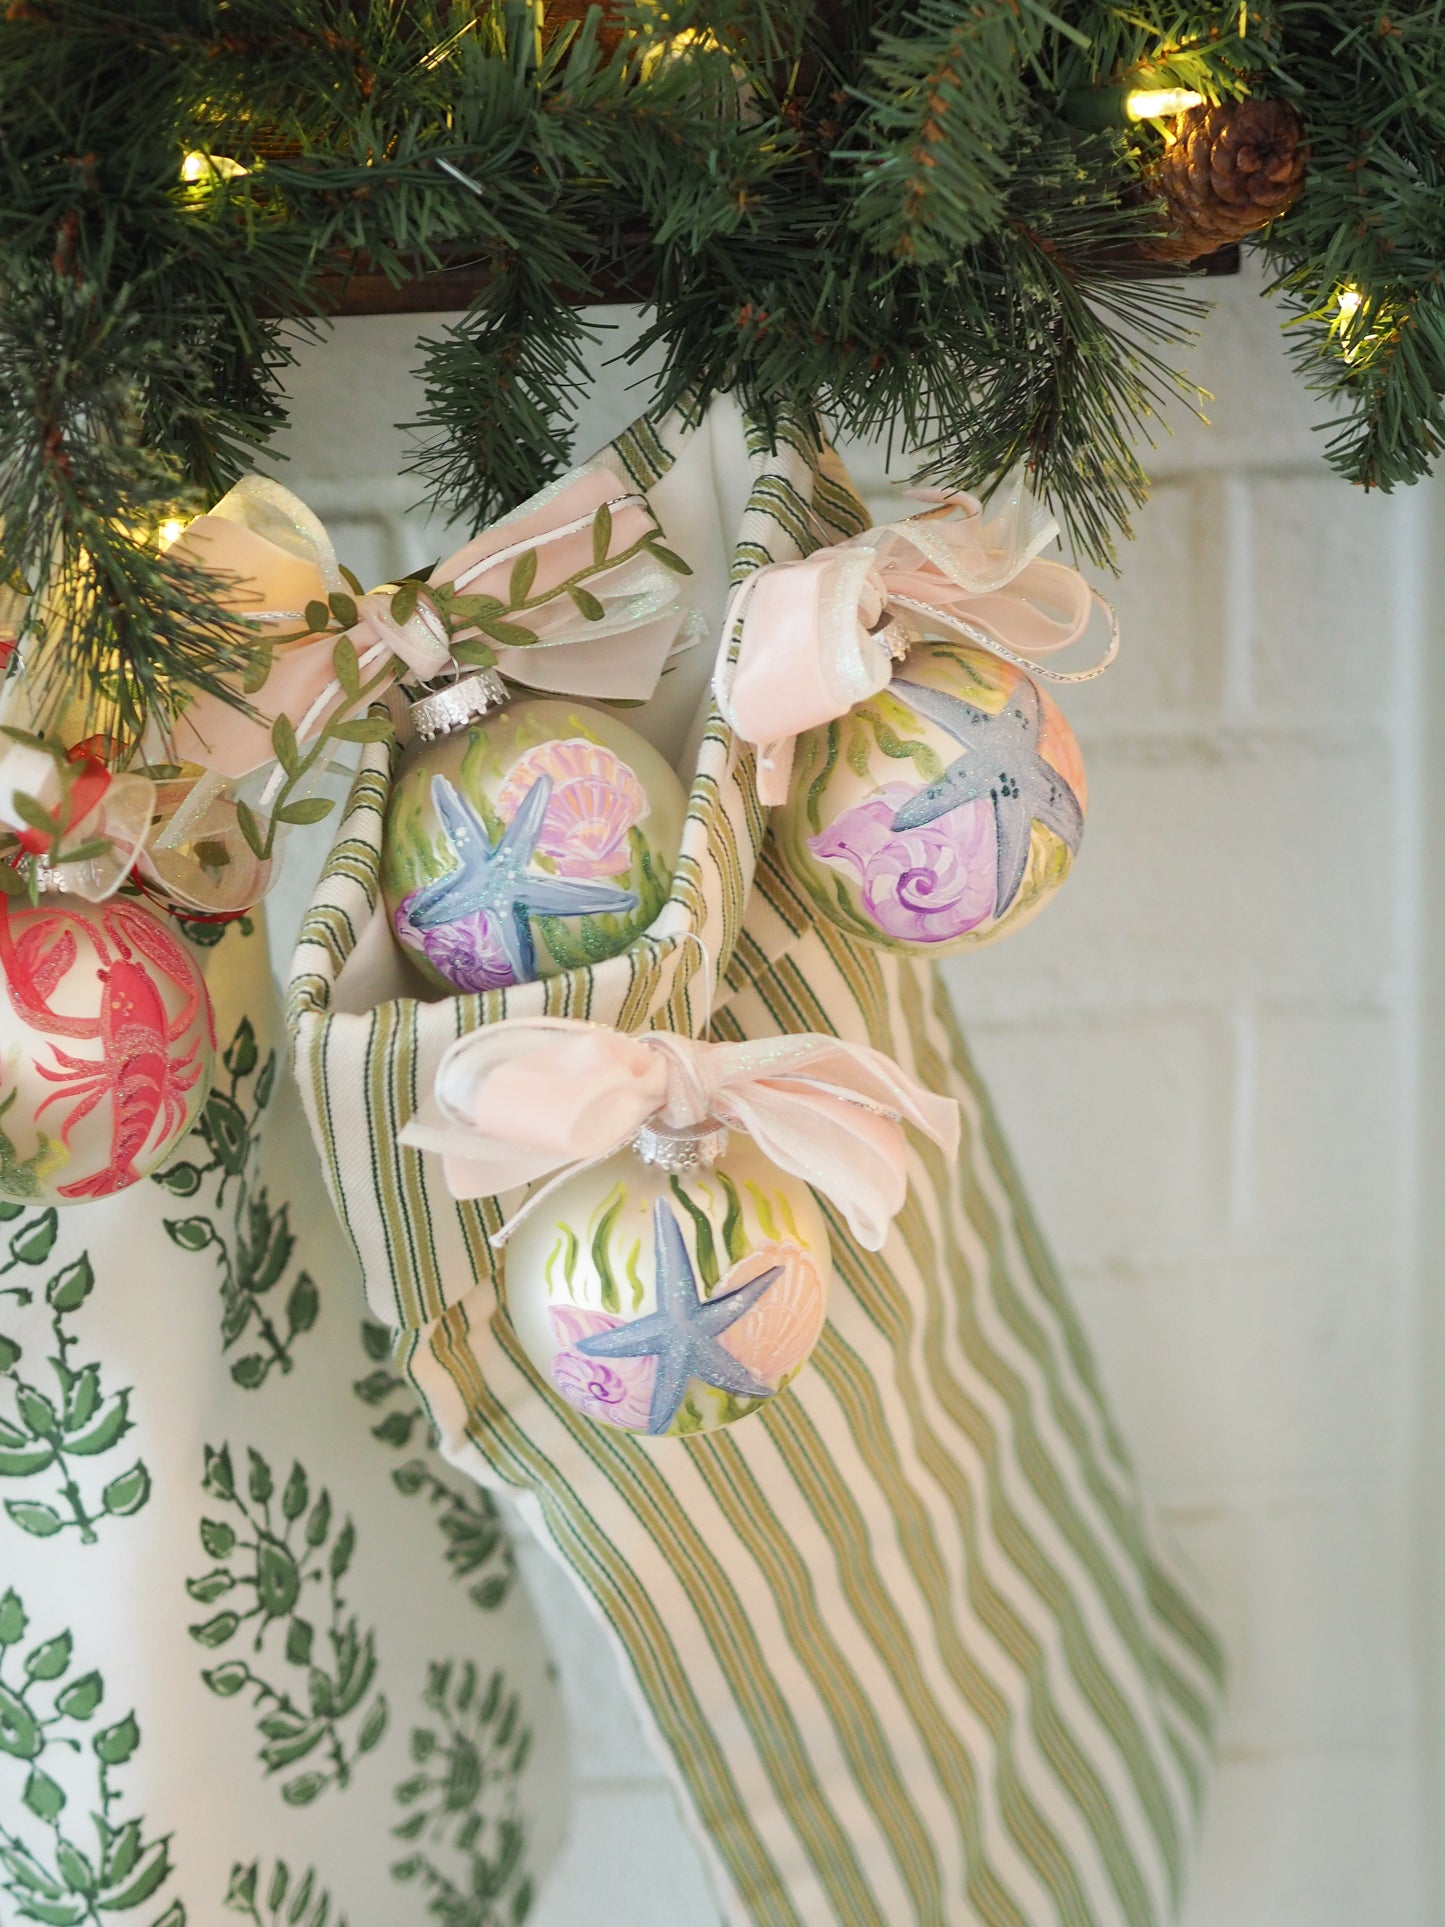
901	1638
218	1697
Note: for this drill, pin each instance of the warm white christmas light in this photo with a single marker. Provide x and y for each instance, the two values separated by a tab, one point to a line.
1154	103
198	168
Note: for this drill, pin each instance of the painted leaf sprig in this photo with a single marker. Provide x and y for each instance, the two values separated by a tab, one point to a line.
57	1428
251	1240
278	1542
479	1551
69	1858
278	1899
474	1745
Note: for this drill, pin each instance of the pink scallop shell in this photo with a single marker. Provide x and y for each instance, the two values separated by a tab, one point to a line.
586	827
595	801
775	1337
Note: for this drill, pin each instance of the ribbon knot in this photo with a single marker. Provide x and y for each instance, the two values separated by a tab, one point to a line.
816	637
98	821
535	1098
421	642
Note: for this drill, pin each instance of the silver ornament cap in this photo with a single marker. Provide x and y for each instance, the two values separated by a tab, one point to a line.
444	711
681	1147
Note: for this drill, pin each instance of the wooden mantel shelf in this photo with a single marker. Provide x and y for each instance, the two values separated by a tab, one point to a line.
362	289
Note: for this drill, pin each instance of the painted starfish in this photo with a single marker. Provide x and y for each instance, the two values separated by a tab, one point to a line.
682	1333
1000	760
494	878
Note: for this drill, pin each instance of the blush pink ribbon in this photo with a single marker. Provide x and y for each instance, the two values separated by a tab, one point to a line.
535	1098
275	558
816	636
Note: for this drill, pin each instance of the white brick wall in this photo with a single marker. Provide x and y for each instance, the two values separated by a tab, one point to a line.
1207	1056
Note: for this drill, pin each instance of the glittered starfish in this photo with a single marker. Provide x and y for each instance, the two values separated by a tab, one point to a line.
1001	760
682	1333
494	878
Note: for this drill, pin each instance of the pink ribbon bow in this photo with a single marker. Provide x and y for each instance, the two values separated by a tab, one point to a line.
542	1097
274	558
819	635
279	559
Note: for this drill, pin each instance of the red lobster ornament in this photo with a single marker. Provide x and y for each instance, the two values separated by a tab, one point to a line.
79	1123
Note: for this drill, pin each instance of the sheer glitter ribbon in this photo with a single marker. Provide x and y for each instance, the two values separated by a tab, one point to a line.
545	1097
273	558
113	808
805	641
278	559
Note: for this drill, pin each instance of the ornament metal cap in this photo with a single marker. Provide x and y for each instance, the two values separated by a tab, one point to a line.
896	637
444	711
681	1147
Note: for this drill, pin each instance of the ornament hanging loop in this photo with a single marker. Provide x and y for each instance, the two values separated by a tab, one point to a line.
995	646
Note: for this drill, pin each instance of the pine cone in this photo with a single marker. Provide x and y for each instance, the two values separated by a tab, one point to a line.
1226	171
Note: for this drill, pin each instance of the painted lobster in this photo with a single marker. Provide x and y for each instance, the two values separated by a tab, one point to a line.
138	1069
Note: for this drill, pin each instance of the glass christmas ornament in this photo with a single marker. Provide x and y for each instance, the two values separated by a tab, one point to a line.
673	1288
525	837
940	813
106	1047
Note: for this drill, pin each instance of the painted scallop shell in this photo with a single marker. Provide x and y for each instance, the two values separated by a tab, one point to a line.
774	1338
595	801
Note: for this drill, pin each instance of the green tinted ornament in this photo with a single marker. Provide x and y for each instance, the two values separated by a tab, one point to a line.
525	837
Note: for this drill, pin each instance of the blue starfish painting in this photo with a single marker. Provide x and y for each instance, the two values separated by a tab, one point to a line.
494	878
682	1334
1001	761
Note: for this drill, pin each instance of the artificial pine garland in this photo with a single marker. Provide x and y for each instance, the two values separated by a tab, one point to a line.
917	213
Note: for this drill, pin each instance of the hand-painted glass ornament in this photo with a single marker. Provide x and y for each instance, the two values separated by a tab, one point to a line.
106	1047
943	811
525	837
673	1288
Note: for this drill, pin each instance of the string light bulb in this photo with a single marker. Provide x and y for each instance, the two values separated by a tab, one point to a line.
198	169
170	531
1157	103
1348	323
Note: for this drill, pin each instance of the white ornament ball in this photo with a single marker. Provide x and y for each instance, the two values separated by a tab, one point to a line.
943	812
669	1303
107	1044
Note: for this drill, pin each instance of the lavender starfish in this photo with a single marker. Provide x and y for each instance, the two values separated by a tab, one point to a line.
682	1333
494	878
1001	760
